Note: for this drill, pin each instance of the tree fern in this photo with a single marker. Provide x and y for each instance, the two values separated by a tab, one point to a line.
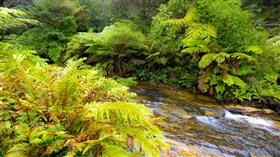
207	59
198	37
10	18
109	48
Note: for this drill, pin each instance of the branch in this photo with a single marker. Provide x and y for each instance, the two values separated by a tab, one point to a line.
21	33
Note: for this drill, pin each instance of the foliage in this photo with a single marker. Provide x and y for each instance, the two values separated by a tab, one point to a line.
233	31
60	20
11	18
68	111
116	48
164	36
227	60
98	12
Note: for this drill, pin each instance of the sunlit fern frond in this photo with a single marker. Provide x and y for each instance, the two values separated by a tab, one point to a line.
189	18
221	57
234	80
207	59
252	48
10	18
132	120
201	31
240	56
197	38
119	112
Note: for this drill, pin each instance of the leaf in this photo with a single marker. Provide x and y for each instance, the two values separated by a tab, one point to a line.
233	80
254	49
221	57
185	21
242	56
220	89
206	60
70	154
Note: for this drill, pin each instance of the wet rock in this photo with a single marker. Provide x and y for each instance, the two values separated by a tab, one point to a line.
208	113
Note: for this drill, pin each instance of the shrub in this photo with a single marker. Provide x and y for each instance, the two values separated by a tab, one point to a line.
69	111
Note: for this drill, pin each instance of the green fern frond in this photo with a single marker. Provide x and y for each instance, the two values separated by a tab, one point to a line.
10	18
18	150
201	31
221	57
193	50
254	49
189	18
54	53
119	112
113	150
240	56
234	80
206	60
246	69
198	37
274	42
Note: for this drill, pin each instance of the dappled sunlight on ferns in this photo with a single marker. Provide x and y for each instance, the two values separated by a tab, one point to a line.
72	111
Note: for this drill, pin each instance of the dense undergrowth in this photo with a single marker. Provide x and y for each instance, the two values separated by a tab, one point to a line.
69	111
203	46
224	48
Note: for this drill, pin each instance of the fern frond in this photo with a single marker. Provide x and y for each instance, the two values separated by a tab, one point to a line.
115	112
254	49
198	36
18	150
193	50
201	31
221	57
189	18
240	56
10	18
234	80
113	150
206	60
246	69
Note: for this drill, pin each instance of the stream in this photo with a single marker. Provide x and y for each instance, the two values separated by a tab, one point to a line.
196	125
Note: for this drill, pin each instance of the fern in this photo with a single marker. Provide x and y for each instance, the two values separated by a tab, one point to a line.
189	18
109	48
53	111
10	18
246	69
240	56
233	80
198	37
207	59
254	49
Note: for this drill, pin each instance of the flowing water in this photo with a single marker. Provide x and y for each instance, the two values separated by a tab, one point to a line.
196	125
